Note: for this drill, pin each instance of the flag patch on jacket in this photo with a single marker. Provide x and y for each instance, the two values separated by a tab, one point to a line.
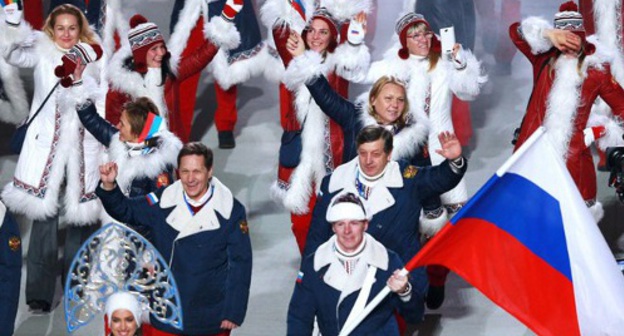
151	198
299	277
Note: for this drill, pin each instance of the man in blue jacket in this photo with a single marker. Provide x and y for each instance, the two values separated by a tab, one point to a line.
393	193
10	270
202	230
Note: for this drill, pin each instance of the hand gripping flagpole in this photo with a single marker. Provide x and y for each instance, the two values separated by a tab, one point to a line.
350	325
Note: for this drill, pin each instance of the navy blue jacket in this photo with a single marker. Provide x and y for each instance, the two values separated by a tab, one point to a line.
211	265
103	131
10	270
313	297
397	226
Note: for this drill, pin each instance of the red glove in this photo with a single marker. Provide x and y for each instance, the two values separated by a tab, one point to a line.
86	52
231	8
592	134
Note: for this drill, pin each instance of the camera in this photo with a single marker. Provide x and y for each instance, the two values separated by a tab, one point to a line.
615	164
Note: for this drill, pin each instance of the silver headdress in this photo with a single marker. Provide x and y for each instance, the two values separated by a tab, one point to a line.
117	258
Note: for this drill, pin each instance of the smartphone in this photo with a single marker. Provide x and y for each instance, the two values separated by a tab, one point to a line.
447	37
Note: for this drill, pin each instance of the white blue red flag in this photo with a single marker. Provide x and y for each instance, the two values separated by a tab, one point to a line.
528	242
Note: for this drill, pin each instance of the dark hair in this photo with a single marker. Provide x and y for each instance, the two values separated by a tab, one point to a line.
373	133
333	39
136	112
197	148
349	197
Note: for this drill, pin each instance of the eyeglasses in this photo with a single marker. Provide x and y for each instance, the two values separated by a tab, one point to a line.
415	37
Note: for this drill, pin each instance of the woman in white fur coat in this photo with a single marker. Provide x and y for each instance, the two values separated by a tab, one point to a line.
321	138
58	165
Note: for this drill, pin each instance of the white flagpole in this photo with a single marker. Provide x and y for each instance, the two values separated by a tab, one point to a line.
349	327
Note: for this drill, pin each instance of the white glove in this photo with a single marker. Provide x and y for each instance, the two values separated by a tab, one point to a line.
592	134
356	33
12	14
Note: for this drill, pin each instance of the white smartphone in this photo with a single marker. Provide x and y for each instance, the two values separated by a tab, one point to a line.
447	37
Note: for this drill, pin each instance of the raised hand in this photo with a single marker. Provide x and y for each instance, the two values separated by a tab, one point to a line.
108	174
231	9
12	14
357	29
295	44
564	40
450	146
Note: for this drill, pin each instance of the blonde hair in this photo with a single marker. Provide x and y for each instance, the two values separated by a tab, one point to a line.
433	56
376	90
86	34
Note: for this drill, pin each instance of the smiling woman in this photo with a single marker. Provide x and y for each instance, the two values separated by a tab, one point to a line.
58	160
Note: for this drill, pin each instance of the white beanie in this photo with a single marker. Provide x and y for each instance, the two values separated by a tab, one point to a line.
123	300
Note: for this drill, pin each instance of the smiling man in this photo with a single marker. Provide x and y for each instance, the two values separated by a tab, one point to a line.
393	193
202	230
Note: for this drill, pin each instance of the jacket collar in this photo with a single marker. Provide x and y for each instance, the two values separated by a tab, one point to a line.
206	219
373	255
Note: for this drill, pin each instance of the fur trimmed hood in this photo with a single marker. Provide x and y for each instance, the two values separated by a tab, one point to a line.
150	165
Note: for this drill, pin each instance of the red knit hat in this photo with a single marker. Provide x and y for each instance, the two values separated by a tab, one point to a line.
142	36
323	14
569	18
404	24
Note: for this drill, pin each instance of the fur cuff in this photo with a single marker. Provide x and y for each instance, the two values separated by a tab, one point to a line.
352	62
14	35
466	83
16	108
274	67
280	12
430	226
228	74
302	69
73	96
222	33
532	30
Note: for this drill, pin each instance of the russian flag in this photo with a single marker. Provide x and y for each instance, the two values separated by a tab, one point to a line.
299	7
528	242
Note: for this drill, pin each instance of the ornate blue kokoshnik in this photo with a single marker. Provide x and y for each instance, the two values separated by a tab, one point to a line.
117	258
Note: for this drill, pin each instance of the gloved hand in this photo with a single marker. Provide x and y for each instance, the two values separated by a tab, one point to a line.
12	14
87	53
231	8
592	134
356	33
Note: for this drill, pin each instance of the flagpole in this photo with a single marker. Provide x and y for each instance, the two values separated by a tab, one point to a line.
349	327
518	154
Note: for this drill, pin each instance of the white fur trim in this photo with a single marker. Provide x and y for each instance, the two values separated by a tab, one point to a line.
150	165
429	227
11	36
274	67
352	62
303	69
532	30
597	211
187	20
116	22
78	95
467	83
16	108
222	33
227	74
343	10
609	31
562	104
279	12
